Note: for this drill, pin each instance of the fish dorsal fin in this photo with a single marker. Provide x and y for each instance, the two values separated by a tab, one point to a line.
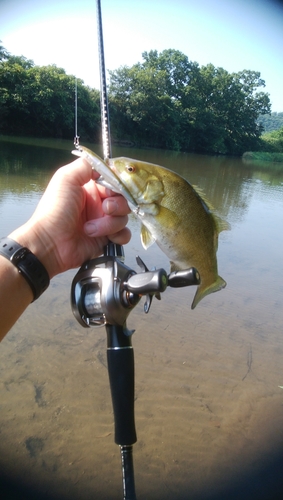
146	237
202	195
221	224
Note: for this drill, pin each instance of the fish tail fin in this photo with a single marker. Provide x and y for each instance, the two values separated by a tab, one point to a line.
204	290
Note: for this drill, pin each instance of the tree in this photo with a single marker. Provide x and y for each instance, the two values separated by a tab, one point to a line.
273	141
4	54
274	121
169	101
13	96
231	104
146	100
39	101
21	61
165	101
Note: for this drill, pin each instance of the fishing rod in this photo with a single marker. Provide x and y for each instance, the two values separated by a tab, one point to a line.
120	354
105	120
104	292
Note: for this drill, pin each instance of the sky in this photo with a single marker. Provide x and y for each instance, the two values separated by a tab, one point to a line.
232	34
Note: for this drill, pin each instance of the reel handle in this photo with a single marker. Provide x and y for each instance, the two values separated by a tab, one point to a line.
147	282
186	277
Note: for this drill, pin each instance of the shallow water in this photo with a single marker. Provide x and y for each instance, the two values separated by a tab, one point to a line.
209	412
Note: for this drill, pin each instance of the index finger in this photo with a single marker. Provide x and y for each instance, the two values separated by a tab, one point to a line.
115	205
78	172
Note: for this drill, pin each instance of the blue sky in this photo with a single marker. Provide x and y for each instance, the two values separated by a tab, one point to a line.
233	34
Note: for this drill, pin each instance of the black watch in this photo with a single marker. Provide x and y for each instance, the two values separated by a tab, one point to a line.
27	264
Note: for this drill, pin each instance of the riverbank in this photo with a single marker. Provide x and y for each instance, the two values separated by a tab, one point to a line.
262	156
36	141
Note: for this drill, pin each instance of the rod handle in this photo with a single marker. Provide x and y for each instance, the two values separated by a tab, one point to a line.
120	361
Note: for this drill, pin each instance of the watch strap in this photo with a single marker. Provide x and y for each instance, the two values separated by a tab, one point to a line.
27	264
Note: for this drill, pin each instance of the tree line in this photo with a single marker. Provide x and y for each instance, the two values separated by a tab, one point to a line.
165	101
271	122
272	142
40	101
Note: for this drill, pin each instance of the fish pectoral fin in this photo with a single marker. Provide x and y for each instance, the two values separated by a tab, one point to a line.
150	208
154	190
203	290
146	237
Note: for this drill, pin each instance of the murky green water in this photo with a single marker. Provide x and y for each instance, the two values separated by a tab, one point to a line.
209	412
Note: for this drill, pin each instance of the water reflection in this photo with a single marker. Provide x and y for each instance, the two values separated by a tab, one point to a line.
208	406
224	181
227	182
24	173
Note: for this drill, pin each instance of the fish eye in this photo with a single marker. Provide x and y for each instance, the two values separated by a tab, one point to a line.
130	168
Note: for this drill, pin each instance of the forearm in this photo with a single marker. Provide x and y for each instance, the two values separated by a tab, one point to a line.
15	295
18	289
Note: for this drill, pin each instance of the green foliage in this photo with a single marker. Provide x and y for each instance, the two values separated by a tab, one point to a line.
168	101
4	54
262	156
271	122
39	101
273	141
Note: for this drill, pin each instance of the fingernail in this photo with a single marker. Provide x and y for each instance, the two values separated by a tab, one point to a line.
90	228
110	206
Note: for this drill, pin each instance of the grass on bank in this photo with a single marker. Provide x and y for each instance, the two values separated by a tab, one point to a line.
271	148
262	156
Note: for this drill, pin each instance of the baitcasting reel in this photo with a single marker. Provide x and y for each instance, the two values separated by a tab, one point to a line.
105	290
103	293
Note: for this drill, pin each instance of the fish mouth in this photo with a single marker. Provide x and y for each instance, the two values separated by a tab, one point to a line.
133	204
113	168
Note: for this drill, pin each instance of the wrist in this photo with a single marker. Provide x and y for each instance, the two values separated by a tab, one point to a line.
27	265
33	239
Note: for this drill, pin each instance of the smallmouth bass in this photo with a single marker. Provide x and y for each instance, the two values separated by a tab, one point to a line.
176	217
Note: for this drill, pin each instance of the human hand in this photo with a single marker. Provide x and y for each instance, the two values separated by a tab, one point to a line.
74	220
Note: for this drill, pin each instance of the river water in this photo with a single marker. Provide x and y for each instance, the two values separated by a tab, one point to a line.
209	409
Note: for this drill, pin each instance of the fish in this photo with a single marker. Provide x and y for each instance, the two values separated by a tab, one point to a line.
177	217
107	178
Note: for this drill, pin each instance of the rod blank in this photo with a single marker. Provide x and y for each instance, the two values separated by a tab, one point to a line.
105	122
